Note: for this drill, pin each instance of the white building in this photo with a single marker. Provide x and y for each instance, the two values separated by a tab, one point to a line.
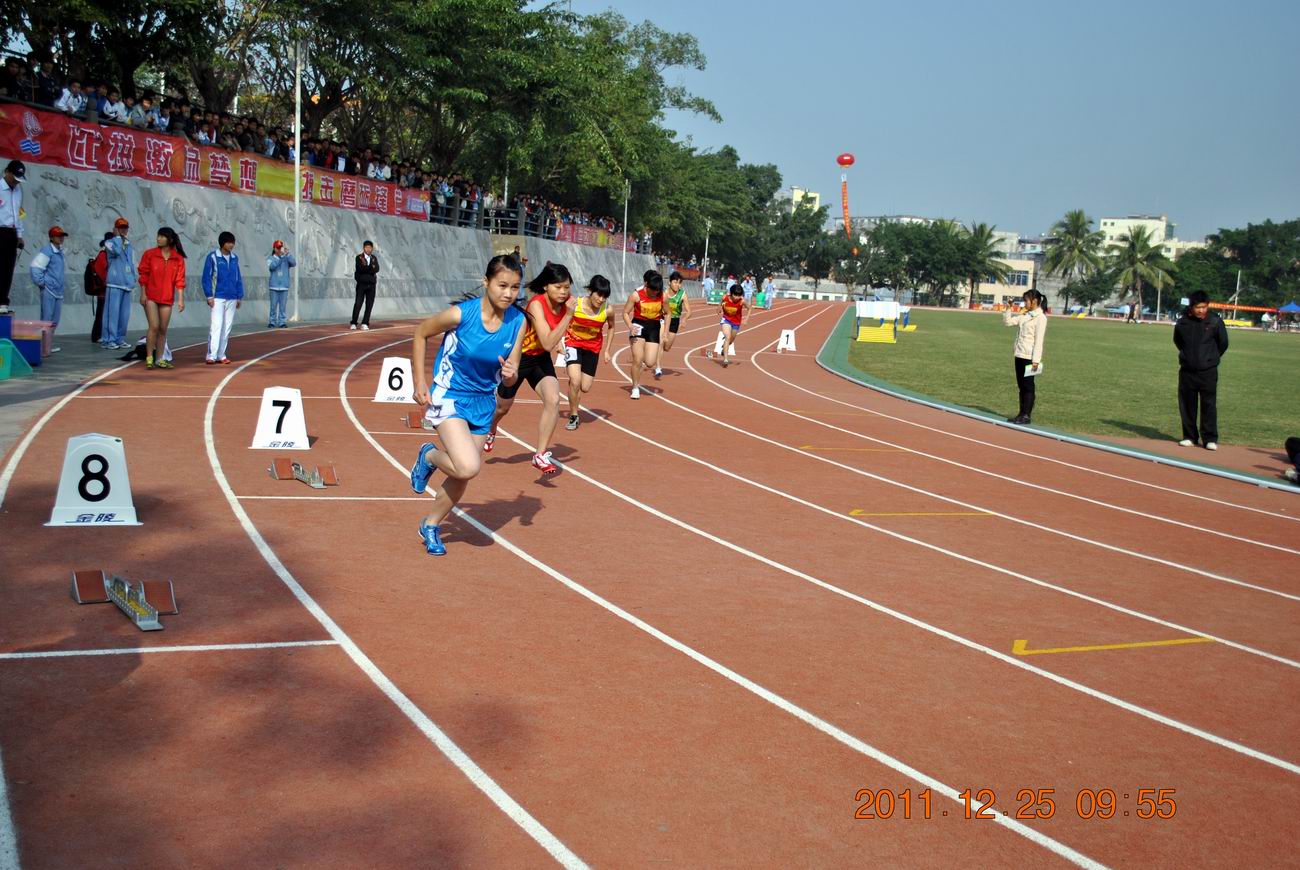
791	199
1160	228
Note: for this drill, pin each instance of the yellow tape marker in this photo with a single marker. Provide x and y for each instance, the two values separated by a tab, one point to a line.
1021	647
858	512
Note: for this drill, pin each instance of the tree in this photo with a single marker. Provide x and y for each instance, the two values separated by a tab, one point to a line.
982	260
1138	263
1094	287
1075	251
1209	270
1268	255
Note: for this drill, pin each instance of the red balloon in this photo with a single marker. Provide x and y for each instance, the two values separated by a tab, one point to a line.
845	159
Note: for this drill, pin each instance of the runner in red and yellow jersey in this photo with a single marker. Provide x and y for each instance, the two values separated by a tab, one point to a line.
584	340
644	316
734	307
549	313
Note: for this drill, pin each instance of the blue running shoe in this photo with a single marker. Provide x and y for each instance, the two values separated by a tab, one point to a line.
421	471
432	537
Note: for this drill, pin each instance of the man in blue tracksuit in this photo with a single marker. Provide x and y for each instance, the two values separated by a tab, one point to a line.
223	285
49	274
279	263
119	285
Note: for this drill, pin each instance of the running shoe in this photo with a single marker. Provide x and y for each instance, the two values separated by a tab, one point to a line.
725	362
542	462
148	362
209	362
365	327
163	364
284	326
1292	475
432	537
421	471
270	326
636	392
1186	442
659	373
352	326
573	422
489	441
225	360
1210	445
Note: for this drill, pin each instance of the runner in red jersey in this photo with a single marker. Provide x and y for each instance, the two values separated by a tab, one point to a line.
644	316
733	309
549	313
584	340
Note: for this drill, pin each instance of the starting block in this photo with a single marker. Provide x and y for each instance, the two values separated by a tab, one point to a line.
417	420
721	342
284	468
143	601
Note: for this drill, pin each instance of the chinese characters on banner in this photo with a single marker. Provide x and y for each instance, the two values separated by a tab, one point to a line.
595	237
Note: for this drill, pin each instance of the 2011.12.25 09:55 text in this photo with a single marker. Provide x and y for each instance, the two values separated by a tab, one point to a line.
1031	803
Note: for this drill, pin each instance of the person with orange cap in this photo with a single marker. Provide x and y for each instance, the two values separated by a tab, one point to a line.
49	274
279	263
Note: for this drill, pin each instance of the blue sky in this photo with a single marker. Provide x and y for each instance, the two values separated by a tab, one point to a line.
1007	112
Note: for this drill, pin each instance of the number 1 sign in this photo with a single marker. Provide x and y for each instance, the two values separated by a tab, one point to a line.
395	383
94	489
280	422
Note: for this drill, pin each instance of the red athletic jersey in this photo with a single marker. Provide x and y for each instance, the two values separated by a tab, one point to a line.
531	346
733	309
648	307
587	330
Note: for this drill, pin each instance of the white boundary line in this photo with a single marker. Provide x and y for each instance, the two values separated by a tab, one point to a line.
8	833
475	774
1071	439
968	505
330	497
1056	847
209	647
1015	480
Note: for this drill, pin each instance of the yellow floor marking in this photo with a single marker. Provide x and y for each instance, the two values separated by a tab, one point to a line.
1020	647
856	449
859	512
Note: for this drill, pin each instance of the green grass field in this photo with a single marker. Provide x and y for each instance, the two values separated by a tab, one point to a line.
1099	378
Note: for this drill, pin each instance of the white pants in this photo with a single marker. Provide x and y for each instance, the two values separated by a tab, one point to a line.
223	317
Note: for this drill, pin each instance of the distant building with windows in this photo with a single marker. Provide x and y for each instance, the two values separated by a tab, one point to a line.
1023	276
790	199
1160	228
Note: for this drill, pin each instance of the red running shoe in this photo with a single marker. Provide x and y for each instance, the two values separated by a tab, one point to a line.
225	360
489	441
542	462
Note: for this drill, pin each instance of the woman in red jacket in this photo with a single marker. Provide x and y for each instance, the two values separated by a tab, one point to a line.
162	284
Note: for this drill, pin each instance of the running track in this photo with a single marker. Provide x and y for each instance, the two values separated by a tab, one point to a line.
742	601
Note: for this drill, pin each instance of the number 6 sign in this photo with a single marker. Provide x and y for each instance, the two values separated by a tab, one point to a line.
94	488
280	421
395	381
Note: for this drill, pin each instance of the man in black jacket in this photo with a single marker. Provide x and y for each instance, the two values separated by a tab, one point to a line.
366	269
1201	339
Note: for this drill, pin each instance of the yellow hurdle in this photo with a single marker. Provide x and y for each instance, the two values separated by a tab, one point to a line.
883	334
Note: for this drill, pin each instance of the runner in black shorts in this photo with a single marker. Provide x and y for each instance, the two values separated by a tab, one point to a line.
643	315
585	344
679	309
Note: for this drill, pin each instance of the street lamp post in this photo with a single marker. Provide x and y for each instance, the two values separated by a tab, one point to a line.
297	164
704	266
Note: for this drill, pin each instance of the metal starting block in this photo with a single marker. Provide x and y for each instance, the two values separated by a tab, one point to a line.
143	601
417	420
284	468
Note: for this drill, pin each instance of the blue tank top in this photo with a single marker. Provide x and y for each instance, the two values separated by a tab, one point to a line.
467	360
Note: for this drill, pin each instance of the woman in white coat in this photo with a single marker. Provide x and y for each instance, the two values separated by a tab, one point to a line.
1031	327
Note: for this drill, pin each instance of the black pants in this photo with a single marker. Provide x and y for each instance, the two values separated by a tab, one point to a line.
1202	387
97	331
1293	451
1026	386
8	257
366	294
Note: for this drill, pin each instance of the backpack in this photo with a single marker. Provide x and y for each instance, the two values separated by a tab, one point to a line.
96	277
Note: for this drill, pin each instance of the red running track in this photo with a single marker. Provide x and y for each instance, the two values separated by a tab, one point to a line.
747	597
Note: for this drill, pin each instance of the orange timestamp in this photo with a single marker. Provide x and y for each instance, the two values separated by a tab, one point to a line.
1031	803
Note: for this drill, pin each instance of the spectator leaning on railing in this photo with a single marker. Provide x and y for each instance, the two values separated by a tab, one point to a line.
73	101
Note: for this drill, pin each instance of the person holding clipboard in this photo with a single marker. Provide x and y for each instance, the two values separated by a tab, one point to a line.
1031	327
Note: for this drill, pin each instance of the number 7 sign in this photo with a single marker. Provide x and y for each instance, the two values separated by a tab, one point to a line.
281	424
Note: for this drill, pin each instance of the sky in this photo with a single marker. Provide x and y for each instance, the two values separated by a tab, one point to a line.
1009	113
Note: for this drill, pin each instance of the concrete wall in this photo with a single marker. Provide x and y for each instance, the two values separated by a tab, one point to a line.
422	266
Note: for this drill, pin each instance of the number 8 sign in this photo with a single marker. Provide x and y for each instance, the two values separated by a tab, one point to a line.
281	424
395	381
94	488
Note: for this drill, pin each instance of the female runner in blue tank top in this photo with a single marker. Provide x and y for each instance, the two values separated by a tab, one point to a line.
480	349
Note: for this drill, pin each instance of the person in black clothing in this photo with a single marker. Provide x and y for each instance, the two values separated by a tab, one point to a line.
1202	340
366	270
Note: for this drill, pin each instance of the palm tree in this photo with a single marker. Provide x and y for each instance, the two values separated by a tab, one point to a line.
1076	253
982	257
1136	261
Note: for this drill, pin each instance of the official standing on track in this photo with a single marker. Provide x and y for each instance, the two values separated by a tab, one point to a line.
480	350
367	267
1202	340
223	285
279	264
120	283
1031	327
49	273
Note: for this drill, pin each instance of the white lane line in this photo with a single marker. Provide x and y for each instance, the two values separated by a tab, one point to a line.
1055	846
1047	529
1119	608
1022	454
921	624
209	647
330	497
475	774
965	466
8	833
201	396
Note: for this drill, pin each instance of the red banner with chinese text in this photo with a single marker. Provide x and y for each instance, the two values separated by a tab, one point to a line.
595	237
53	138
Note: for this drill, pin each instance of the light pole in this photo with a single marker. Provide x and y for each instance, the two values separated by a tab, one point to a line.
627	193
704	267
297	163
